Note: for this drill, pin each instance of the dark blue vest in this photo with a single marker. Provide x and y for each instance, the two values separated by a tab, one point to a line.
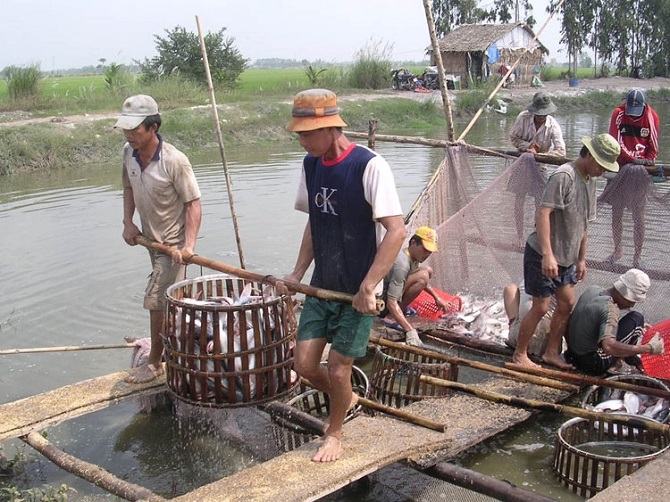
343	231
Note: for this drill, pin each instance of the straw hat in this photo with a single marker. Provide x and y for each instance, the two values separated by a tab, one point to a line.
315	109
605	149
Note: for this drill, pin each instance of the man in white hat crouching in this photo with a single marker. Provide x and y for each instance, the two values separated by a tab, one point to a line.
598	338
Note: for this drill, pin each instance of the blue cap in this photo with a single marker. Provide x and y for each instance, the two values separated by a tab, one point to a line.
635	102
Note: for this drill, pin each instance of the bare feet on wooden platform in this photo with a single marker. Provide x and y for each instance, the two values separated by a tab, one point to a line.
557	361
145	373
330	450
524	360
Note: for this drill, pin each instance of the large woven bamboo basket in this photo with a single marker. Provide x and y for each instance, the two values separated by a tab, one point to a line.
223	355
395	379
591	455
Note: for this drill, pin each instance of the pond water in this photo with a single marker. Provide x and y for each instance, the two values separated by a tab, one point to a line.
69	279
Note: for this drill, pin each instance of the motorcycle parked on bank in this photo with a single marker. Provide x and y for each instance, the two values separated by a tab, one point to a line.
402	80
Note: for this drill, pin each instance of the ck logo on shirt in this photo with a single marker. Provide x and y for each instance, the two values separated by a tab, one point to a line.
322	200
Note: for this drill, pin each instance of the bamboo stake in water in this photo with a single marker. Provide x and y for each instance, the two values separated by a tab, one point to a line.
219	137
66	348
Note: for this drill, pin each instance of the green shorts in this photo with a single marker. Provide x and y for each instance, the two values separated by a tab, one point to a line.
345	328
164	274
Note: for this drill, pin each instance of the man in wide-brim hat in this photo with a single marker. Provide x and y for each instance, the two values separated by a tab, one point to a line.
555	255
534	131
349	192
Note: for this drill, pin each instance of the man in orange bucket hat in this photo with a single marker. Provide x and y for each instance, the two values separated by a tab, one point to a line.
353	234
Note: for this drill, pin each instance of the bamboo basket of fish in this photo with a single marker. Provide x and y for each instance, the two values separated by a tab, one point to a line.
607	399
591	455
395	377
228	342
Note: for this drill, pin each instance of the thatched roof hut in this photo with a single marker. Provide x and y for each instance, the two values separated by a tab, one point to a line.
478	51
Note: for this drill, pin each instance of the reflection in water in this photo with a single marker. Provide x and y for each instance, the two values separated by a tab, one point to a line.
69	279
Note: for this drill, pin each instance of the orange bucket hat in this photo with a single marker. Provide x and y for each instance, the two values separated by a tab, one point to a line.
315	109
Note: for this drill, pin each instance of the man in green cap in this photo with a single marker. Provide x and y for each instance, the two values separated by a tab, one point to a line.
555	254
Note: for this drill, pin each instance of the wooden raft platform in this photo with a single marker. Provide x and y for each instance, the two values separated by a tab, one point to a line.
374	442
33	413
370	442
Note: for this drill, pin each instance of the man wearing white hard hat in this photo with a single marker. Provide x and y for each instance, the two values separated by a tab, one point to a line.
158	184
598	337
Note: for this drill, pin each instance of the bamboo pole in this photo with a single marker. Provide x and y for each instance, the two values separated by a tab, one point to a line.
219	137
509	71
296	416
481	483
324	294
440	143
372	133
389	410
66	348
582	380
545	382
440	68
545	406
90	472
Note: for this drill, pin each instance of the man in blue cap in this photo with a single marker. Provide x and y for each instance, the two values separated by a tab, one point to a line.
635	125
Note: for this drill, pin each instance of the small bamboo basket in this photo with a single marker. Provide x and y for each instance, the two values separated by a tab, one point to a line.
222	355
395	381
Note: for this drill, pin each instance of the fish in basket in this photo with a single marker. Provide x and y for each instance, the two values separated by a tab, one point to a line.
229	342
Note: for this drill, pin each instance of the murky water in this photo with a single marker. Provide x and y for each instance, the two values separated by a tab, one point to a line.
69	279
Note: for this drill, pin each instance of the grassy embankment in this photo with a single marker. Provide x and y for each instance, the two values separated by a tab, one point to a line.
256	112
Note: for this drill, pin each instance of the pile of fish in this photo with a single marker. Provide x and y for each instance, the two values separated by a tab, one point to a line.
620	401
479	318
188	323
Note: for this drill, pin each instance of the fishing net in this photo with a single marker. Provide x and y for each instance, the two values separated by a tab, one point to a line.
483	220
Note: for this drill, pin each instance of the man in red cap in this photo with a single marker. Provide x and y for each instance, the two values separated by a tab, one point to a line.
353	234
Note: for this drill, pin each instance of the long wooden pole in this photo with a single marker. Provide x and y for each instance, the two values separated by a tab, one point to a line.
509	71
389	410
324	294
219	137
582	380
481	483
440	143
90	472
66	348
446	102
545	382
545	406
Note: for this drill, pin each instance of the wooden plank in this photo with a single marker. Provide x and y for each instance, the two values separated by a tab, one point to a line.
18	418
372	443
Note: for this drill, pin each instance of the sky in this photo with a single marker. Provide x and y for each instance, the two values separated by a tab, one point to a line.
76	33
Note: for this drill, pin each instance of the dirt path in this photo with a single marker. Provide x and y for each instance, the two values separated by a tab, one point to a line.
516	94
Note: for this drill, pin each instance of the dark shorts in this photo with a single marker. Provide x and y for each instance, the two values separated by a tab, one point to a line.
630	330
539	285
345	328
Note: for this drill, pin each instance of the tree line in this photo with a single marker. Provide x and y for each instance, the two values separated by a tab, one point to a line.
629	37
